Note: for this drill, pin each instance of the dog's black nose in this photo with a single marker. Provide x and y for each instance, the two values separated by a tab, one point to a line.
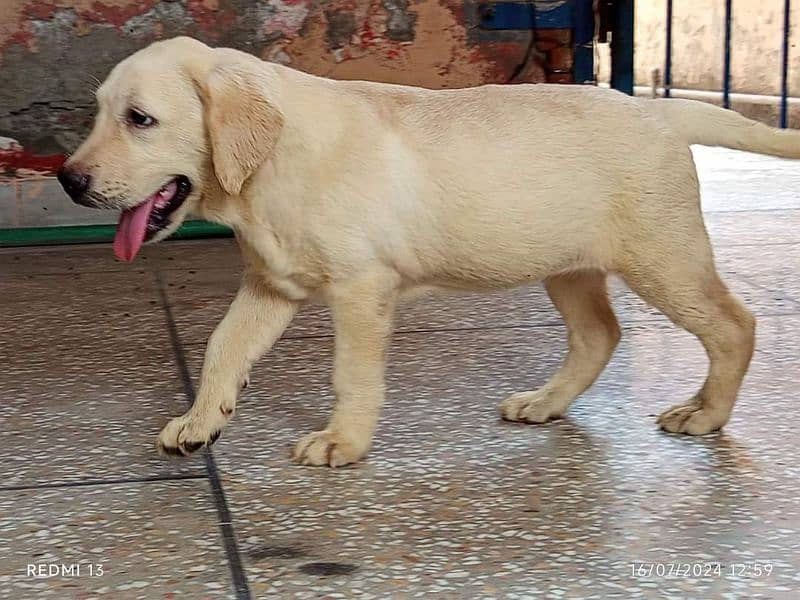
75	183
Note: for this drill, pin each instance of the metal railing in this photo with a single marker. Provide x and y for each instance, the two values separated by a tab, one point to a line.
726	64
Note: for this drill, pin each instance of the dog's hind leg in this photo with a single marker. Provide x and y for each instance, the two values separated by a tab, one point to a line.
676	274
582	299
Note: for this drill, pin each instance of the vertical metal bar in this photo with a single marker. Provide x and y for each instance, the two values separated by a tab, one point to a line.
584	25
668	59
622	47
785	65
726	76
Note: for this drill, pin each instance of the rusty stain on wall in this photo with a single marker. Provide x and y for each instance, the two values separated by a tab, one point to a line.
439	56
52	52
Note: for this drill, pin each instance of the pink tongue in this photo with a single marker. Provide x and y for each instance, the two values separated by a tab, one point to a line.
132	229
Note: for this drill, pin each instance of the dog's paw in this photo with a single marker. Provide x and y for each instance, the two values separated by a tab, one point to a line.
328	449
188	433
691	418
532	407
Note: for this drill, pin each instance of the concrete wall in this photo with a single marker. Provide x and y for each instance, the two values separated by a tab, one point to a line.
698	35
52	52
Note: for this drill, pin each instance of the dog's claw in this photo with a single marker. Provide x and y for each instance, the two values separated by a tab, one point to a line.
186	435
169	450
328	448
191	447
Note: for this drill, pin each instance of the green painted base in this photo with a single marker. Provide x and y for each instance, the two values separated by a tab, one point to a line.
89	234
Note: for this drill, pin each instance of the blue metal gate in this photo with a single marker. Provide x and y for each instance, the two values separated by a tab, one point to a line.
616	17
726	62
583	18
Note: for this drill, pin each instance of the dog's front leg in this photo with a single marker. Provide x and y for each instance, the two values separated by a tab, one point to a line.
362	316
257	317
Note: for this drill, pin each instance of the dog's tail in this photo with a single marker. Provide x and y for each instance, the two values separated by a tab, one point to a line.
709	125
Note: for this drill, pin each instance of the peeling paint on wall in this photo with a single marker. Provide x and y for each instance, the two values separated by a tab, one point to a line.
14	158
53	52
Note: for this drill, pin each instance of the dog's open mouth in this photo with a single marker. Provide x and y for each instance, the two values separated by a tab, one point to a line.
144	221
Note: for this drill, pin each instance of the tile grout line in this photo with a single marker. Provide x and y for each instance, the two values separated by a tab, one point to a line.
748	210
748	280
223	512
157	269
98	482
520	326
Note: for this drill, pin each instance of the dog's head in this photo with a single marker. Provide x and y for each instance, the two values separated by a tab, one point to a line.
174	120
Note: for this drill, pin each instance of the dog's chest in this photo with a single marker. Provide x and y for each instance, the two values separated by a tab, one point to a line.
288	286
284	271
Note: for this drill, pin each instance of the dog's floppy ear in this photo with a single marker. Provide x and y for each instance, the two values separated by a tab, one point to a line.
243	125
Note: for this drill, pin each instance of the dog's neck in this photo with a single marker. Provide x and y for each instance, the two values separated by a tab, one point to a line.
217	206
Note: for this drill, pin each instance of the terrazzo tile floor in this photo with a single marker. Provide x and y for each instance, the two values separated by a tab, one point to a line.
95	356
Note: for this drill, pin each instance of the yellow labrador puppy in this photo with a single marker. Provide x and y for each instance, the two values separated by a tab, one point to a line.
356	193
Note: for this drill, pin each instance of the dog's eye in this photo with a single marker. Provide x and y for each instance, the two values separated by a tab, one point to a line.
139	119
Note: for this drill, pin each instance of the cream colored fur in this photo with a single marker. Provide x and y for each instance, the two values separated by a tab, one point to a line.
356	193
